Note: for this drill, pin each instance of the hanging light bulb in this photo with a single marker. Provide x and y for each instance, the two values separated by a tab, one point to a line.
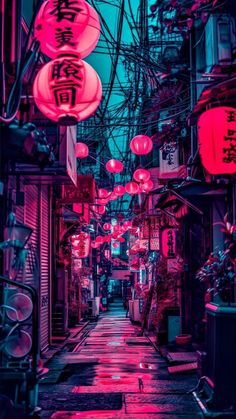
132	188
141	145
141	175
81	150
114	166
103	193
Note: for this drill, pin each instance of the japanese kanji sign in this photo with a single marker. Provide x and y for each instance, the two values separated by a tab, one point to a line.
217	140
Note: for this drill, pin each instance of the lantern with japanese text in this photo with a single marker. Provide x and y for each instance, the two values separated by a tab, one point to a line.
67	90
119	190
168	243
132	188
81	150
67	26
217	140
141	145
81	245
114	166
141	175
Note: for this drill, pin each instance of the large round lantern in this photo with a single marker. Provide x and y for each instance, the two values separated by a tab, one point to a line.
141	175
146	186
217	137
100	210
81	150
132	188
67	90
67	26
141	145
119	190
114	166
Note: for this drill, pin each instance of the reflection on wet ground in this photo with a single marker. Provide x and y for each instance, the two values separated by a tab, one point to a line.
115	373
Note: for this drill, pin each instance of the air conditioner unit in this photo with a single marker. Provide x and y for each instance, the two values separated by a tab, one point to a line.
220	41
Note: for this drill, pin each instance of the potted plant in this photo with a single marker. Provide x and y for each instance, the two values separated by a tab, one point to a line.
219	273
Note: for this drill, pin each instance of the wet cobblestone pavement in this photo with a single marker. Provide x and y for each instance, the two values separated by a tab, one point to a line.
111	372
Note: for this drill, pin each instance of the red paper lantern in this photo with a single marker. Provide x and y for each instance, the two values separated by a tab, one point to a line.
101	209
119	190
69	26
217	136
103	193
67	90
146	186
141	145
141	175
81	150
132	188
115	245
107	226
114	166
113	196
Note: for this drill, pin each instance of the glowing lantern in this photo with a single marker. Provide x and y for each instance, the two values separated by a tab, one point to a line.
141	175
168	243
141	144
114	166
116	228
67	90
121	239
103	193
119	190
146	186
132	188
99	239
217	136
101	209
81	245
115	245
107	226
113	196
81	150
67	26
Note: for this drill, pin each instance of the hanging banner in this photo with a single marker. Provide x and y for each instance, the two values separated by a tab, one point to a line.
80	245
84	193
168	243
169	160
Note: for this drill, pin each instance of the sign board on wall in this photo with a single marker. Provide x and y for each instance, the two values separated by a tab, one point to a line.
169	160
84	193
67	150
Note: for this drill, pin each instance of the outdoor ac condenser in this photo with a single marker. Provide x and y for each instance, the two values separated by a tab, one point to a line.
220	41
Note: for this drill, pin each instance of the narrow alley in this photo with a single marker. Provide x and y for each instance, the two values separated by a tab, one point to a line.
112	372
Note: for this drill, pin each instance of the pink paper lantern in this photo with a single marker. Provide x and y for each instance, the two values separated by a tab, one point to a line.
119	190
141	145
69	27
141	175
103	193
67	90
81	150
147	186
107	226
115	245
132	188
114	166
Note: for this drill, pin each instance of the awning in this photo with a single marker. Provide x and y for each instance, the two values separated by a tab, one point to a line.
219	93
176	202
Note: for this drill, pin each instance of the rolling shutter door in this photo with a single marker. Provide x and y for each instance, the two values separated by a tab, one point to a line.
31	219
44	266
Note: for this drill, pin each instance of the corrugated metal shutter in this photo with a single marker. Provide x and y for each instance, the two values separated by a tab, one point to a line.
44	266
31	219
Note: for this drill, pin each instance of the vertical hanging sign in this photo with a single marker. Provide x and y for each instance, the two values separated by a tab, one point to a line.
168	243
